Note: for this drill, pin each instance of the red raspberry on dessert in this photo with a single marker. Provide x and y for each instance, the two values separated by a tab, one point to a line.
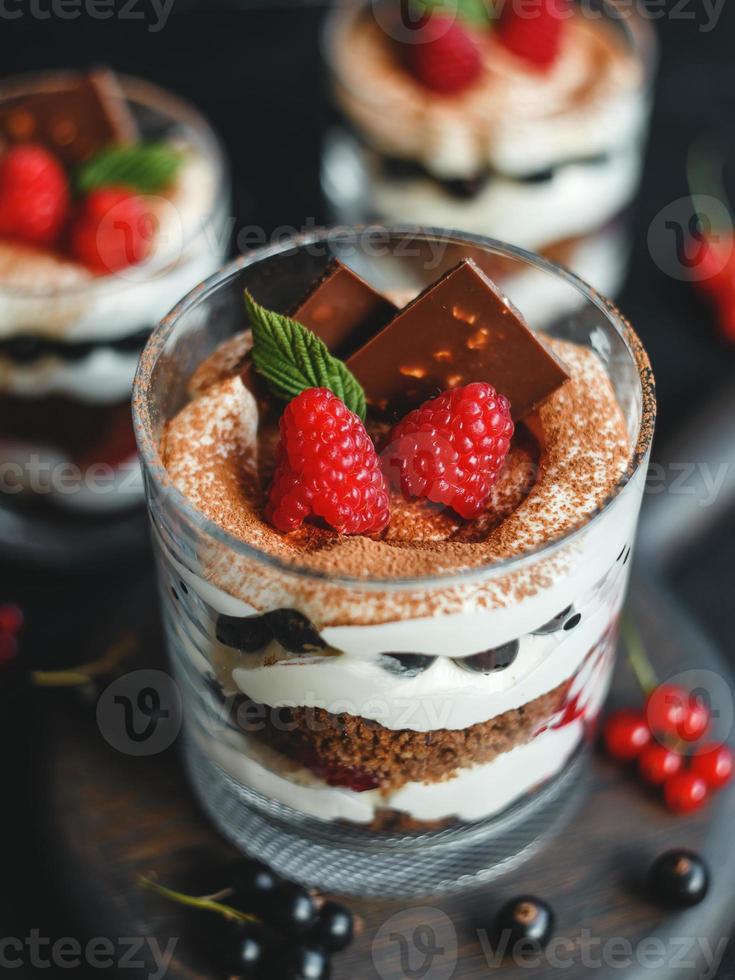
451	449
327	468
535	35
34	195
443	56
113	230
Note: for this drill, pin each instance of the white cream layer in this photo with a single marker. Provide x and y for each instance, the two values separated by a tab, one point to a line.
104	376
42	471
445	696
577	200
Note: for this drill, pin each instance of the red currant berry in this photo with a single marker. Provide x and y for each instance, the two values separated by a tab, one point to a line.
666	708
11	618
696	720
625	734
685	792
657	763
714	764
8	648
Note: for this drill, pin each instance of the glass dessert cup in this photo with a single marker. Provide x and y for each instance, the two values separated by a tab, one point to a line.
70	343
558	181
321	759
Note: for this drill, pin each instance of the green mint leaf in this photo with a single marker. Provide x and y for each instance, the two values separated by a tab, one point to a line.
476	12
291	358
145	167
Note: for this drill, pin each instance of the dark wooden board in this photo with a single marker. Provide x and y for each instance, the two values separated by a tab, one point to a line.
113	817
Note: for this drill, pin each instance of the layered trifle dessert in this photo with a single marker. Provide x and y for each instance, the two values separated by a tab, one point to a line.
394	535
112	205
521	121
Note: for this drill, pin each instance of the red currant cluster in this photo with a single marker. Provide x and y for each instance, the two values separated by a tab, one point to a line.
665	742
11	623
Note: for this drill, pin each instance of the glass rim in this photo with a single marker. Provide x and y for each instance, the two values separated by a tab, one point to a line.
639	34
155	470
168	103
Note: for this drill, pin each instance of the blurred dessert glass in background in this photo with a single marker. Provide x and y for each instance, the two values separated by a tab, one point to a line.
527	125
113	198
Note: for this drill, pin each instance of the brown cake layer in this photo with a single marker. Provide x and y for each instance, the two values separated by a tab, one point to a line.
360	753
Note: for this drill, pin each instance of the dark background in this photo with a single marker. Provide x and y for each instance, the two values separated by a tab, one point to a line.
255	72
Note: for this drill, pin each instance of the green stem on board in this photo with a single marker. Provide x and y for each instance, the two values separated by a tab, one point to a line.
193	901
637	656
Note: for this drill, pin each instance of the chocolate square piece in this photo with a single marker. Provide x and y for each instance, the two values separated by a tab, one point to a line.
74	119
458	330
343	310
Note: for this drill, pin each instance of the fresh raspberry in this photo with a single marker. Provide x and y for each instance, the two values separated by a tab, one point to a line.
452	448
327	468
533	35
112	231
34	195
443	56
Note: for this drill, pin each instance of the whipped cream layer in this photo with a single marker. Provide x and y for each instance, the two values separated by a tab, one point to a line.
575	201
104	376
515	119
473	793
444	696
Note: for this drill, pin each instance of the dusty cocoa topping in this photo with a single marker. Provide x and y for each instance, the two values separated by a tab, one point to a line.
322	740
563	464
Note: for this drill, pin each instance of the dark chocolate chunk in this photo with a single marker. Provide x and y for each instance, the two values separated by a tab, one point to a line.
343	310
554	624
461	329
73	116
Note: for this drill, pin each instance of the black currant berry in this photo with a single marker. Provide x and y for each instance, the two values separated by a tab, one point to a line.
557	623
244	633
294	631
527	920
254	884
489	661
335	927
245	950
304	963
292	908
678	879
406	664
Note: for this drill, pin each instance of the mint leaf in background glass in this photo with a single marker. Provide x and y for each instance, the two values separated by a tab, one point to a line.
476	12
144	167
